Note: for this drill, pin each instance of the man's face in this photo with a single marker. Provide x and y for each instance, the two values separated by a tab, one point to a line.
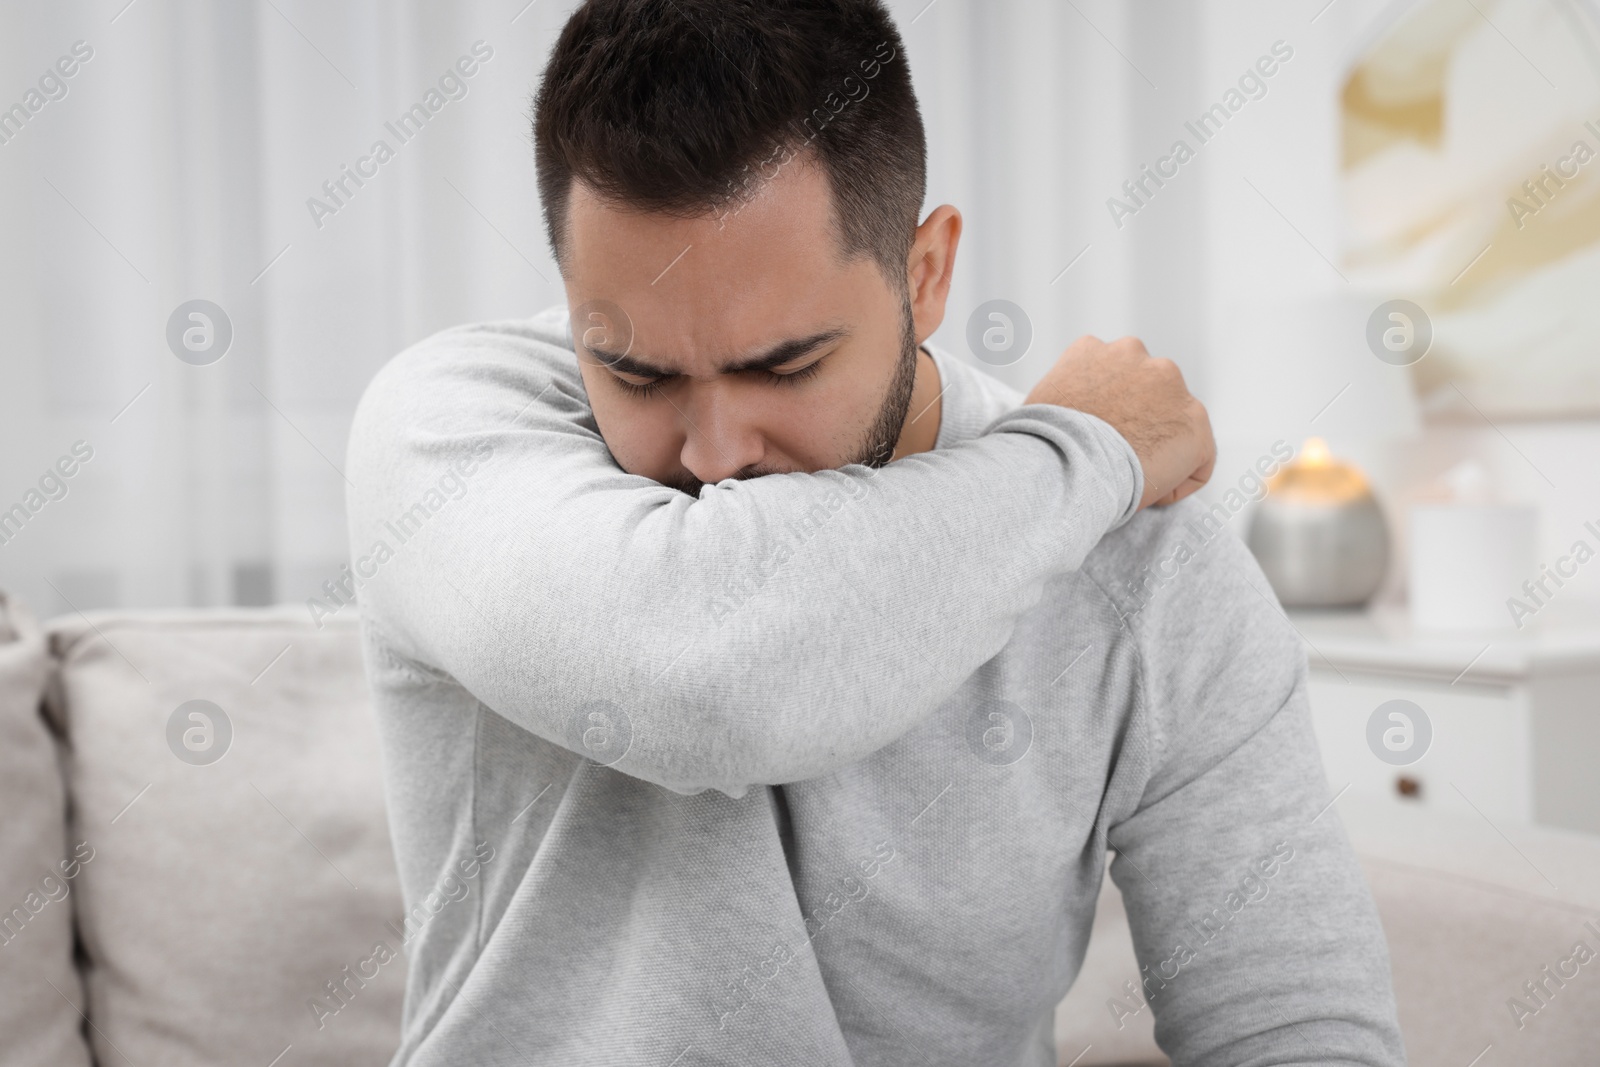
833	346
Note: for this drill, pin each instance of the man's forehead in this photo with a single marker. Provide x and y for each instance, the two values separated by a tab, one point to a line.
753	286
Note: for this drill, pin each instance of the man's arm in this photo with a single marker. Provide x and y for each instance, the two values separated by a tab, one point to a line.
1252	922
772	630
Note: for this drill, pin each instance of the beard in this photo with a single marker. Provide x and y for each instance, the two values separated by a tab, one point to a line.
878	440
878	443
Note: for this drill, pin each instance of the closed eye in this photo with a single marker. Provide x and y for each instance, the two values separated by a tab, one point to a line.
648	389
794	377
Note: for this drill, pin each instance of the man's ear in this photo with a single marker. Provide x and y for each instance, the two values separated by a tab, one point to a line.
930	267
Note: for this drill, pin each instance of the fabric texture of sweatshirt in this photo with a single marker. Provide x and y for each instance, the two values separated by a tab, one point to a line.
823	769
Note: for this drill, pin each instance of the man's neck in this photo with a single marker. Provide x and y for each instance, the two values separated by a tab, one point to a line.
921	430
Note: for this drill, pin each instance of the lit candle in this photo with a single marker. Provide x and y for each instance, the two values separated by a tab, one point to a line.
1319	534
1316	476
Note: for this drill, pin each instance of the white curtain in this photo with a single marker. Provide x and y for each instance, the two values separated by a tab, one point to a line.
179	166
180	161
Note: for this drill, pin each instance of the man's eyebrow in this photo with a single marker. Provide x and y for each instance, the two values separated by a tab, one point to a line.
776	356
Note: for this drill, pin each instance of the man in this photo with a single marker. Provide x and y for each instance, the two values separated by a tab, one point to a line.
783	666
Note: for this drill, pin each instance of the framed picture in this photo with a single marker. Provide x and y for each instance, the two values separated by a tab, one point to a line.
1471	178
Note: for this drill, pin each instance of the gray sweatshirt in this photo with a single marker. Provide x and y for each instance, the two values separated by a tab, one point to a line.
822	769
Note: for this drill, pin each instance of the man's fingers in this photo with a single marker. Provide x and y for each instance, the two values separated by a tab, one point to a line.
1190	486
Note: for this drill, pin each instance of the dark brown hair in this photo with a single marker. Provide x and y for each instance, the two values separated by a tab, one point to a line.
683	106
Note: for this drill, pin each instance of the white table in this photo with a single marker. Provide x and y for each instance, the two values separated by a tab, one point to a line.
1515	715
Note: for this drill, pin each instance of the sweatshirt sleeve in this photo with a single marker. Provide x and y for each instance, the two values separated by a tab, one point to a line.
1252	921
771	630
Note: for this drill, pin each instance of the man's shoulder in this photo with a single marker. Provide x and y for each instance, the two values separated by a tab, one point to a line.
1181	558
541	343
442	372
1210	635
479	385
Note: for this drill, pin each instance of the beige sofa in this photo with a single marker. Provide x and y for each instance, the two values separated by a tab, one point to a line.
196	884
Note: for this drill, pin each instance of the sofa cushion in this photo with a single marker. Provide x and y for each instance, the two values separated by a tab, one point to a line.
1493	930
40	992
224	765
1472	911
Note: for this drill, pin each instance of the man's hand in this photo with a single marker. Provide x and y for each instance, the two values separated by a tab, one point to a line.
1146	401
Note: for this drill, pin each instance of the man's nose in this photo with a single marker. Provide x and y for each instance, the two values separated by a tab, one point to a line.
720	438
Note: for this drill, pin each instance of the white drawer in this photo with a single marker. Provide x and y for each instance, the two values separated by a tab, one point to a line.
1480	757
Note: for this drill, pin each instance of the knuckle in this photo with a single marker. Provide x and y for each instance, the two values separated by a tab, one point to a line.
1167	372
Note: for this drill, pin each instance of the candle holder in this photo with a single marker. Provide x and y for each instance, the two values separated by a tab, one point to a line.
1320	534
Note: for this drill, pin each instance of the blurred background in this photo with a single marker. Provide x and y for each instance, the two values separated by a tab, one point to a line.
1368	231
181	161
